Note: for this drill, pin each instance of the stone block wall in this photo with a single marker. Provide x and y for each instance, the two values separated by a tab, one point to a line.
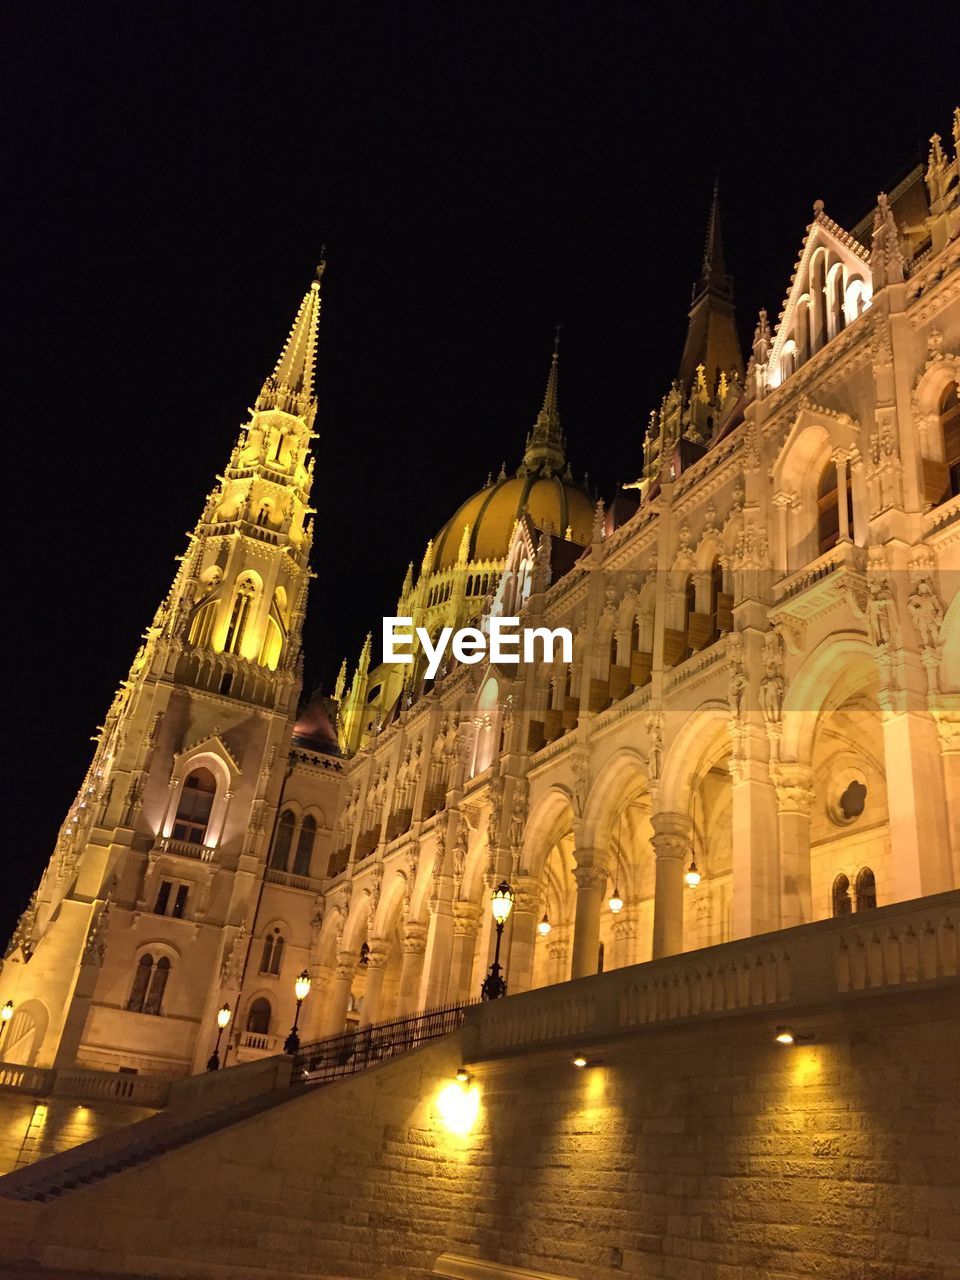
694	1151
32	1128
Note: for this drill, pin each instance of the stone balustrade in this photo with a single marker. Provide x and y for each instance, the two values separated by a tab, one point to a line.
85	1085
884	949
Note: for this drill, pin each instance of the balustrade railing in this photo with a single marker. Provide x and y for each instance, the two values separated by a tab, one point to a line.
353	1051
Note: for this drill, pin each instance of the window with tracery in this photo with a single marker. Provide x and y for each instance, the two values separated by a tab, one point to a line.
196	802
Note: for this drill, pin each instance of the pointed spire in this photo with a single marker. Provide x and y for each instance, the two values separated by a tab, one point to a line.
712	334
713	263
290	386
338	688
546	447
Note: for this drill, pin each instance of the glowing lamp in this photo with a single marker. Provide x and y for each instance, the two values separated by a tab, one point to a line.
463	1076
579	1060
501	902
6	1013
785	1036
692	875
544	927
302	986
616	902
223	1016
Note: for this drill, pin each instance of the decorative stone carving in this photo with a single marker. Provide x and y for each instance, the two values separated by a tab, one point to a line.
926	612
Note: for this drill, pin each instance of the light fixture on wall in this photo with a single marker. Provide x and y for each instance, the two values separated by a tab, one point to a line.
788	1036
616	902
544	927
501	904
579	1061
301	989
224	1014
462	1076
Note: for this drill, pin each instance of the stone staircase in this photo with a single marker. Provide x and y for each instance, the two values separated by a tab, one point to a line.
134	1145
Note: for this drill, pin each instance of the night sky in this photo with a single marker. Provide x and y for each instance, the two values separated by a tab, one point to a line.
477	172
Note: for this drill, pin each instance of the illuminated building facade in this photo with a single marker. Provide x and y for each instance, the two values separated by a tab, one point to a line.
760	726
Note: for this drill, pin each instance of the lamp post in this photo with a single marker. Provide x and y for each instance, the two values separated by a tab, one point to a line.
224	1014
501	904
6	1013
302	988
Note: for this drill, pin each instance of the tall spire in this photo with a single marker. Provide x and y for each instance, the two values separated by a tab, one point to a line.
712	334
545	451
290	386
713	264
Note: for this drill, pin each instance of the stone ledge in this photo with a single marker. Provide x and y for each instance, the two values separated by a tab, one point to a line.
452	1266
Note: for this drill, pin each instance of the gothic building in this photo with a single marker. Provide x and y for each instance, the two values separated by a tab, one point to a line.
759	727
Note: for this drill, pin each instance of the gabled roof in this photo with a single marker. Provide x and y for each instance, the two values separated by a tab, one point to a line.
822	231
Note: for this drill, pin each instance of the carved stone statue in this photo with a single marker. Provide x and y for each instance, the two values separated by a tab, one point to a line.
927	613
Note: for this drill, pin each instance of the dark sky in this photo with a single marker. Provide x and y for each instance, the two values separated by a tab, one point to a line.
477	171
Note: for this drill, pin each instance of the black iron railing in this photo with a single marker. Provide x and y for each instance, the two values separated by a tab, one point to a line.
353	1051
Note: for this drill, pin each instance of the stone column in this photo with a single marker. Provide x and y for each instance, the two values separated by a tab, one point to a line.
794	784
466	917
435	977
840	459
671	846
591	880
376	967
315	1014
340	993
756	872
919	841
948	727
414	945
518	967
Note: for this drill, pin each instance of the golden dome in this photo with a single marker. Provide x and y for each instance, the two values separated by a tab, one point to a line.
550	501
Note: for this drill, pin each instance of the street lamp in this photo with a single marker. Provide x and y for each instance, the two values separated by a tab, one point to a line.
224	1014
6	1013
302	989
501	904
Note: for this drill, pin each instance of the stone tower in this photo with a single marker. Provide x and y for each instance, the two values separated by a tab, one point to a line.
145	906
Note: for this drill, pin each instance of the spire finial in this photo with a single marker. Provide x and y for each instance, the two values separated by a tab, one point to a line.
713	263
545	451
290	386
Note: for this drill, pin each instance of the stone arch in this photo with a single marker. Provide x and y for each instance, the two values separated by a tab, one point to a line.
927	395
355	925
325	947
625	773
684	758
552	815
950	647
836	668
390	908
24	1037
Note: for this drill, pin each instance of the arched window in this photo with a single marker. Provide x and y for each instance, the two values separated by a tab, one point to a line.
365	953
280	854
202	624
841	896
158	984
258	1016
272	956
304	854
866	890
149	984
141	981
193	811
717	612
950	424
839	316
242	605
828	508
